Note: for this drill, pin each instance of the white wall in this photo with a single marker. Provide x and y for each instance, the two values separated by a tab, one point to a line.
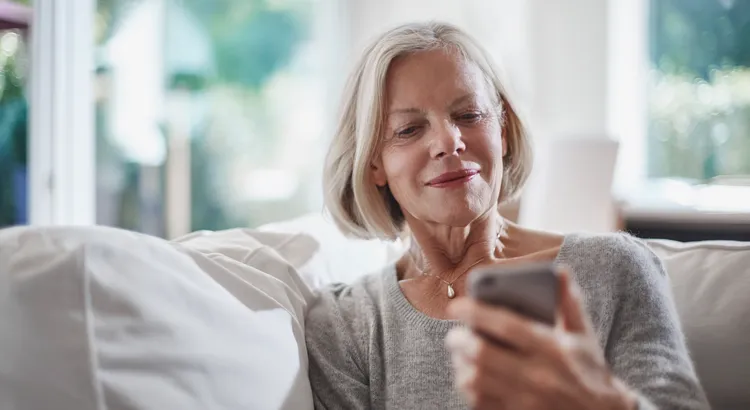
568	46
498	25
570	187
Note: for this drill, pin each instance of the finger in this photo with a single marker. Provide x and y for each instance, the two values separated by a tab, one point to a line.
480	393
505	326
479	387
574	316
494	360
481	364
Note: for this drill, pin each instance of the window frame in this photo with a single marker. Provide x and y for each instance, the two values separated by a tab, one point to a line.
61	114
627	89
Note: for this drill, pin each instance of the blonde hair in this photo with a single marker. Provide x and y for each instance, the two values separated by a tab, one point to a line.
359	207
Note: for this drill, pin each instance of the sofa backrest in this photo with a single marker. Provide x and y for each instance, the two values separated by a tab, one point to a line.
711	285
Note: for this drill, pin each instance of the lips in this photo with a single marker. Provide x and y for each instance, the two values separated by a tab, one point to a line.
453	176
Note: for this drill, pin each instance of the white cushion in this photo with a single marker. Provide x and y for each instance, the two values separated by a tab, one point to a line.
336	258
98	318
711	285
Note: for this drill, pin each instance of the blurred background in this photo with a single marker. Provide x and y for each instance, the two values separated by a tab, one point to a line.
170	116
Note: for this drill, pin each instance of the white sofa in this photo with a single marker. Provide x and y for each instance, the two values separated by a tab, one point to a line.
711	286
98	318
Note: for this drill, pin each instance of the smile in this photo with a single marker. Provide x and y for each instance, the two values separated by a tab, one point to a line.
453	178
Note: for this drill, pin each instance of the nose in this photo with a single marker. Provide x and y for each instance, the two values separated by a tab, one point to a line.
446	140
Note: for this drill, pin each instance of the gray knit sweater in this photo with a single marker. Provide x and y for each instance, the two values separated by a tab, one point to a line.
370	348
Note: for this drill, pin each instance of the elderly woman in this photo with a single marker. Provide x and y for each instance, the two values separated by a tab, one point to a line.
427	147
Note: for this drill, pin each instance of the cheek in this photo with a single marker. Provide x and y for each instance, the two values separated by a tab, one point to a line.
488	147
402	169
488	151
393	160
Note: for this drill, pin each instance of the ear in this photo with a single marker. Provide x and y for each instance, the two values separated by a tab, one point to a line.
378	173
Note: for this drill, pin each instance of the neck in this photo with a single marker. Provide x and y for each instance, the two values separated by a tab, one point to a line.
447	251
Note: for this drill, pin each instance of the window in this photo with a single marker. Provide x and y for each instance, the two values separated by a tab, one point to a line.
13	115
205	115
699	102
209	114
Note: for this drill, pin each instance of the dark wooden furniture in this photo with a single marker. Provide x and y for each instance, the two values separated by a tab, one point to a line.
687	226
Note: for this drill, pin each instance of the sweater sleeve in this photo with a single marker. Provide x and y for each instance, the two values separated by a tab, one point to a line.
646	347
337	368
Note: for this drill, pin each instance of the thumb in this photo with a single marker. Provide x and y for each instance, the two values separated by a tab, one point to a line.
572	310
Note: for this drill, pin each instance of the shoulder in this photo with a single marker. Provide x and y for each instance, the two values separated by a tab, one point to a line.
341	320
349	306
616	250
621	280
359	294
617	261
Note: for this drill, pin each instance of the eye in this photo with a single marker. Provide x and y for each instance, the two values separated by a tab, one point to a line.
407	132
470	117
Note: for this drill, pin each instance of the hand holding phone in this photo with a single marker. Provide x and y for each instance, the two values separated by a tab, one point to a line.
491	358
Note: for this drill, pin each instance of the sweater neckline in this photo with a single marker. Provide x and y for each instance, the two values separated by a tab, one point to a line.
414	316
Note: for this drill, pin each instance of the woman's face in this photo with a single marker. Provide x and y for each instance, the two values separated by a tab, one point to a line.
443	148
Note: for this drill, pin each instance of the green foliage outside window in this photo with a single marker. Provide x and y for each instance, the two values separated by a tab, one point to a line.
699	106
252	40
13	130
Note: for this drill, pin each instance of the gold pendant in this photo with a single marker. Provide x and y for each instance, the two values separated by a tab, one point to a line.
451	292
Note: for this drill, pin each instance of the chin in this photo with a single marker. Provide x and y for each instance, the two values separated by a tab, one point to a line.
460	214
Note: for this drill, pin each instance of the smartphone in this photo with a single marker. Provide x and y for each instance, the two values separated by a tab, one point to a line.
528	289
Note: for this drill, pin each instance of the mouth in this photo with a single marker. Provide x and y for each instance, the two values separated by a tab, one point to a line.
453	178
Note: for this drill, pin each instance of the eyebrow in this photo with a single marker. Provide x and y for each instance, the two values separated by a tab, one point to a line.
405	111
463	99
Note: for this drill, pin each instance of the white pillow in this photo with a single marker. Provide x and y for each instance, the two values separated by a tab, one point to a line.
99	318
337	257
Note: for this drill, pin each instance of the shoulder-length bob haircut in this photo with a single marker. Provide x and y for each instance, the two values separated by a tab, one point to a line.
358	206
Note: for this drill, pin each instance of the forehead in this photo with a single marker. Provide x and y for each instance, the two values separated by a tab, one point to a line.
432	76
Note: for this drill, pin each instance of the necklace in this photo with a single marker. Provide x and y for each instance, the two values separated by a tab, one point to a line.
451	291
